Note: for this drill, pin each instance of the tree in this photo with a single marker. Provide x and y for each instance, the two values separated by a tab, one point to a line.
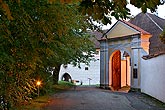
100	10
70	37
39	35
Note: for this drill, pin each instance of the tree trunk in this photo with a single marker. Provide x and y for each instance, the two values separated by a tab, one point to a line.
56	74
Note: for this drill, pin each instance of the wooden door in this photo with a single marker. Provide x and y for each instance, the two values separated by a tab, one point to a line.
116	70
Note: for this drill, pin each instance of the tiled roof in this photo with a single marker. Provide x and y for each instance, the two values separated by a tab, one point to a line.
135	27
152	56
130	25
154	25
96	36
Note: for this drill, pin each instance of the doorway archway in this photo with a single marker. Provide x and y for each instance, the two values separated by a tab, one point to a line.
66	77
119	70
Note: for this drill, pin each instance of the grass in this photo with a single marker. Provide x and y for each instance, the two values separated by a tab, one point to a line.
63	85
35	104
39	102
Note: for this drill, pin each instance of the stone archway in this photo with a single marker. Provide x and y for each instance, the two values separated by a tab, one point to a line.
119	70
123	36
66	77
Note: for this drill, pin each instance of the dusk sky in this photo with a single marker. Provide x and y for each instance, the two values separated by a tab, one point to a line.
135	11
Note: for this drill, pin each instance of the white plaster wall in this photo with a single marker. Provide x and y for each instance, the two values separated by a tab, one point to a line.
135	81
153	77
81	74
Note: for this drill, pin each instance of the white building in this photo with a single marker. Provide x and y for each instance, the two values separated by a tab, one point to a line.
86	75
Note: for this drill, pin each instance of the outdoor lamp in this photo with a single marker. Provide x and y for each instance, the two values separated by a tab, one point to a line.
38	84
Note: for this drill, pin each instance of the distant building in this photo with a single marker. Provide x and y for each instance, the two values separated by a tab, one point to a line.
86	75
154	25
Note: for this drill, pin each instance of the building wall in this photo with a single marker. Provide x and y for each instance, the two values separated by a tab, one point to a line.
120	30
153	77
132	46
135	65
80	74
123	73
104	80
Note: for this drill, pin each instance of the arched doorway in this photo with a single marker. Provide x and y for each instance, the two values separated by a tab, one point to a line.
66	77
119	71
116	70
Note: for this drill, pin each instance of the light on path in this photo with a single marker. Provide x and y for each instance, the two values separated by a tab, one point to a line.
38	84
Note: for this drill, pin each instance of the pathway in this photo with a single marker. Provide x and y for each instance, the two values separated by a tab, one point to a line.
92	98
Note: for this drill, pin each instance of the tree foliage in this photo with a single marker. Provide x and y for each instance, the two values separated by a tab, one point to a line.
37	36
100	10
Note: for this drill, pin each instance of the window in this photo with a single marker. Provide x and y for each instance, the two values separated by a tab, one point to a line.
135	75
97	52
86	68
65	65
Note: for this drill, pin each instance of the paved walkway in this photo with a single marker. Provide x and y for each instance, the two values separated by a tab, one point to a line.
92	98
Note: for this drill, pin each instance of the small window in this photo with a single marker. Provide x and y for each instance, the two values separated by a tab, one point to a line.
135	75
97	52
86	68
65	65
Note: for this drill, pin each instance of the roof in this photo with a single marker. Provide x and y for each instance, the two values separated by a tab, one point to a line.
132	30
96	36
136	28
145	23
154	25
152	56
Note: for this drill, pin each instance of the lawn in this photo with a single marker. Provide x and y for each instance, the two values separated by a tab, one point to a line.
39	102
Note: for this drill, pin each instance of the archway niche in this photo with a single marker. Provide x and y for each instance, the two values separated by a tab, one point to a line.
66	77
119	70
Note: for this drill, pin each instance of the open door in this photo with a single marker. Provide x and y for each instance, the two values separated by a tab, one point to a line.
116	70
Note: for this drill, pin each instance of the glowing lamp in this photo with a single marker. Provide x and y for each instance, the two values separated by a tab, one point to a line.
38	83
